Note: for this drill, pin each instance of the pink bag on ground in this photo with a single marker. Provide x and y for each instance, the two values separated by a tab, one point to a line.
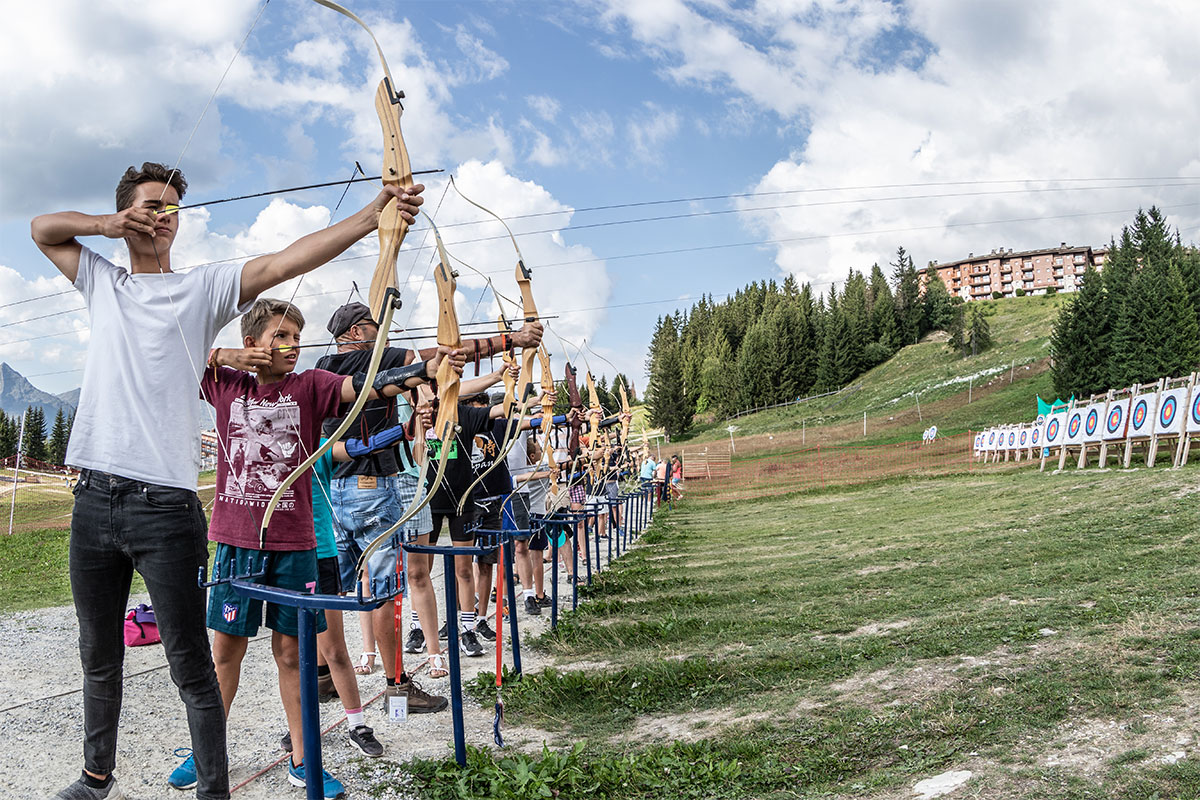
140	626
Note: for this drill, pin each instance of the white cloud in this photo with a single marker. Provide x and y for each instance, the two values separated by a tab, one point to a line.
544	106
1000	91
486	64
650	130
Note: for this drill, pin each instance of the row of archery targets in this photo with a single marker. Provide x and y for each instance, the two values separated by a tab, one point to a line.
1154	419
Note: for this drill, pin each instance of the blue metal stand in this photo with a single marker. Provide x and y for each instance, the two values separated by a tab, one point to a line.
484	544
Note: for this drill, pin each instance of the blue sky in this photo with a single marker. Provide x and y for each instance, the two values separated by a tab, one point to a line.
971	112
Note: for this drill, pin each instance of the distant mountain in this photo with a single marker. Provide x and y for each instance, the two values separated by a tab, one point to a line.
71	398
17	393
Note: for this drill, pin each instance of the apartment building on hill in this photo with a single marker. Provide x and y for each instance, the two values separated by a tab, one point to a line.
977	277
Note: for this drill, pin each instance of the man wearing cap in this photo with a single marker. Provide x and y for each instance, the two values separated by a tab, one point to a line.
370	493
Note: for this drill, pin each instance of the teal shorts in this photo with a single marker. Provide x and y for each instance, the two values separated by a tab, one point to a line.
230	612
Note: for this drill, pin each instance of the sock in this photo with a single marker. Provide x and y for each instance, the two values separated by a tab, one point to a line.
528	593
414	623
468	620
355	717
391	681
96	783
322	670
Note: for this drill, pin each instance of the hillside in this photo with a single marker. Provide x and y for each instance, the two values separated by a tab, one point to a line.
941	380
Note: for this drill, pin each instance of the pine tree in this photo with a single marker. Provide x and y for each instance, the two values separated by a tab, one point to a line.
756	366
908	298
978	330
34	444
884	328
834	369
1180	350
1081	340
8	435
665	394
936	305
958	331
720	377
1189	273
56	448
858	322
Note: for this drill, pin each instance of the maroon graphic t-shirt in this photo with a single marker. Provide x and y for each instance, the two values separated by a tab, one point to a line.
264	432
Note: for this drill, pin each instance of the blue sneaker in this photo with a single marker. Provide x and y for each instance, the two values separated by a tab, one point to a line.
183	776
333	787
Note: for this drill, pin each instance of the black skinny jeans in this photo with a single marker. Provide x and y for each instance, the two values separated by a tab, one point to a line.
119	525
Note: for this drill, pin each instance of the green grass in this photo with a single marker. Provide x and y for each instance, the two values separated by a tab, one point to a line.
1021	332
34	559
850	642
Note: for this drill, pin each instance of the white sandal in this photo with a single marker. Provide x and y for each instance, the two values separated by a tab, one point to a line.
366	663
437	666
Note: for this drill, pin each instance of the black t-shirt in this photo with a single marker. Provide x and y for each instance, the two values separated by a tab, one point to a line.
485	448
472	422
376	415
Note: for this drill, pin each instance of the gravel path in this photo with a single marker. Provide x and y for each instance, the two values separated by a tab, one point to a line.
41	717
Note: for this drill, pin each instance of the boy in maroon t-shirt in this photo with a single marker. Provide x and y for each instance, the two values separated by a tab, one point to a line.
268	424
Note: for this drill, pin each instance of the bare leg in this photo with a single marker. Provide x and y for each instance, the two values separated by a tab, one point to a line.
286	650
523	557
483	588
383	620
228	651
464	573
422	596
331	648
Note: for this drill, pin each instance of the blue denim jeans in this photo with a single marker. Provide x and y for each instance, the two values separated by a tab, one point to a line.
119	525
359	515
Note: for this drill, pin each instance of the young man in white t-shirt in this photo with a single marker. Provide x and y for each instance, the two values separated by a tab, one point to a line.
135	441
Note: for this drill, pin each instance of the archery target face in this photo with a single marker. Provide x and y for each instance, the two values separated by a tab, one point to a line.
1193	420
1075	427
992	439
1170	411
1035	437
1012	439
1092	416
1023	437
1141	415
1054	429
1116	418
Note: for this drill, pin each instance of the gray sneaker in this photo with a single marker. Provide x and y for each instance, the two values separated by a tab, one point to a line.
81	791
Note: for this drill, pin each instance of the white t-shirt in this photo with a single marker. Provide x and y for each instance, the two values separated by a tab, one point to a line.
139	410
517	462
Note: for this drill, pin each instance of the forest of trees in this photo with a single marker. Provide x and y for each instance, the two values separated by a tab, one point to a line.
1135	322
771	342
37	444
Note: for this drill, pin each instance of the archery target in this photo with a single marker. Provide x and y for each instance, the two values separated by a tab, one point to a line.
991	440
1074	432
1023	437
1169	419
1193	420
1011	440
1093	422
1142	413
1035	436
1116	418
979	438
1055	429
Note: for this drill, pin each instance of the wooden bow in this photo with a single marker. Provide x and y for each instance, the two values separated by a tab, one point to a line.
384	295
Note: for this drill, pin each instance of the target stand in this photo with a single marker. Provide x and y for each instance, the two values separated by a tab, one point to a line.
1116	421
1191	427
1142	414
1171	419
307	606
1094	414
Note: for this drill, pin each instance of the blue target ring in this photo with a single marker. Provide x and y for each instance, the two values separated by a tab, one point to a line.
1052	430
1166	414
1093	422
1139	414
1037	434
1115	418
1024	437
1012	438
1196	408
1073	426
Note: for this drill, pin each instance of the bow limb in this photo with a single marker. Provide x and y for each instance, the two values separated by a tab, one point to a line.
446	426
510	430
384	295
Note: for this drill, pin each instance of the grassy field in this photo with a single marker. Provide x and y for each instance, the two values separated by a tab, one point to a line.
1021	330
33	560
1035	629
